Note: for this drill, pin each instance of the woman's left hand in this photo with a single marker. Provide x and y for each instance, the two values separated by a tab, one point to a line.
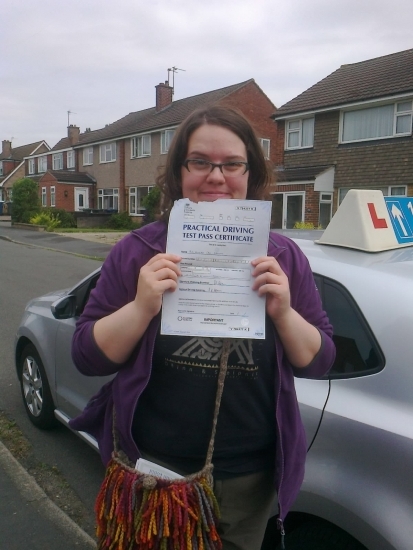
270	280
300	339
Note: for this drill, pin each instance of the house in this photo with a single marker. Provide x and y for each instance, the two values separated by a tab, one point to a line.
12	164
353	129
120	162
60	182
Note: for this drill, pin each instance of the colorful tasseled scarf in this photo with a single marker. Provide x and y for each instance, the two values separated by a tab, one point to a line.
139	512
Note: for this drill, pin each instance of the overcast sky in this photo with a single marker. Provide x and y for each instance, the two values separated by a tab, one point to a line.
101	60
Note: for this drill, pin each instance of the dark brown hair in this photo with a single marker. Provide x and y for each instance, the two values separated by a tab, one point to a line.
259	175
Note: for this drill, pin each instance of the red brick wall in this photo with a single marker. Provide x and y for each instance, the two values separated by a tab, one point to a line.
258	108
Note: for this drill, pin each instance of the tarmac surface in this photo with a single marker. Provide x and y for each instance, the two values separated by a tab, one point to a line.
29	520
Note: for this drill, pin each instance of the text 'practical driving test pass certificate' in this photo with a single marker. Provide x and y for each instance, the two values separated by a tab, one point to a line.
217	241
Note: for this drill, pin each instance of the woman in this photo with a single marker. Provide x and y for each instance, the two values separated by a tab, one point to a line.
165	388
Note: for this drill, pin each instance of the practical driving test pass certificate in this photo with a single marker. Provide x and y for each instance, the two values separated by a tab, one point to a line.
217	241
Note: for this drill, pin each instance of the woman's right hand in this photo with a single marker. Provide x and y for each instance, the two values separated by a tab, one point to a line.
118	333
159	275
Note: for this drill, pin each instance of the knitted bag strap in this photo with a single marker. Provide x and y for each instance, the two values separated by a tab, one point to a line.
223	367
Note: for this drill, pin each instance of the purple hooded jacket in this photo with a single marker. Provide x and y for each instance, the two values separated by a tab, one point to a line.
117	286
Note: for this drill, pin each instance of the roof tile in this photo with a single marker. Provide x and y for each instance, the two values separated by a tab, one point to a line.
380	77
150	119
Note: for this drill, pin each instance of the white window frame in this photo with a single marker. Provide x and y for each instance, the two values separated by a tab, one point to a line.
266	145
325	198
57	161
166	138
387	190
87	156
299	131
107	152
42	164
396	115
44	196
71	160
141	146
135	200
32	166
114	193
52	196
1	167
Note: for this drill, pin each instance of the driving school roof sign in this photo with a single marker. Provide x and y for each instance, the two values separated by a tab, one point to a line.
366	220
401	214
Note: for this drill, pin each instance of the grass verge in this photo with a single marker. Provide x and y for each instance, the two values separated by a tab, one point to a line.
47	476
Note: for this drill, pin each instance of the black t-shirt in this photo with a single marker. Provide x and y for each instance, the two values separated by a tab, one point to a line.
173	418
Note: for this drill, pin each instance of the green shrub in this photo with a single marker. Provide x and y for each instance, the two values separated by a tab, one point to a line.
50	221
26	202
151	203
66	218
305	225
120	220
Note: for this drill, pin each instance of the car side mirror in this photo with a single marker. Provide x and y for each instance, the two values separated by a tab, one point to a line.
64	308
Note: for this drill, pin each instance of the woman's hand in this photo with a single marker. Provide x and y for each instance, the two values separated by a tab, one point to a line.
271	281
156	277
118	333
301	340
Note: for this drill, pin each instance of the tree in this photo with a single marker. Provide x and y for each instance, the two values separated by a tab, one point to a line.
151	202
26	203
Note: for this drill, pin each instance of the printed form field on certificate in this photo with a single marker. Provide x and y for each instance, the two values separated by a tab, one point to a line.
217	241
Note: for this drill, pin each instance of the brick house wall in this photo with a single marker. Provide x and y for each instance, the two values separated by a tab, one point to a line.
106	173
61	201
363	164
255	105
376	162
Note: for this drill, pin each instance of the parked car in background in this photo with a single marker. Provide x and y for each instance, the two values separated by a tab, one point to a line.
358	488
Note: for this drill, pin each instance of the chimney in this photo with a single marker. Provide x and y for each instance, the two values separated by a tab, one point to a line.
73	133
163	95
6	150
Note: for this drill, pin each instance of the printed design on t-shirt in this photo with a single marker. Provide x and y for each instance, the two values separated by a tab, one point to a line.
200	356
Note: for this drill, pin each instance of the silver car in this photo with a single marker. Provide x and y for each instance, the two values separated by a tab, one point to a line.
358	488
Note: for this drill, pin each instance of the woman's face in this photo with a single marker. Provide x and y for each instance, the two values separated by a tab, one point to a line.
215	144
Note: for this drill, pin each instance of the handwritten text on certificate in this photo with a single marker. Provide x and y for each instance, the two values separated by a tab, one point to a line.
217	241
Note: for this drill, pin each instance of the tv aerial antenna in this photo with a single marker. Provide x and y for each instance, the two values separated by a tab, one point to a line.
173	70
68	117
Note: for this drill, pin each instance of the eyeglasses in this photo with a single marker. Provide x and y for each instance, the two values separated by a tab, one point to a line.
203	167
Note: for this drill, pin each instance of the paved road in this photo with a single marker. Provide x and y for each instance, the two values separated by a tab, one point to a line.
29	520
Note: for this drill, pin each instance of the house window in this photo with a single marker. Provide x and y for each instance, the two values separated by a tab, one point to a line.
265	144
71	159
325	211
32	168
166	138
44	196
53	196
108	199
380	122
141	146
136	195
300	133
42	164
108	152
87	156
387	190
58	161
1	168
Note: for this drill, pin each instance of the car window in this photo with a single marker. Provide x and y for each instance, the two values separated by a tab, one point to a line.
358	352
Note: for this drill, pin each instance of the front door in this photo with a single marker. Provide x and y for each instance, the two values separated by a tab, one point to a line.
287	209
81	198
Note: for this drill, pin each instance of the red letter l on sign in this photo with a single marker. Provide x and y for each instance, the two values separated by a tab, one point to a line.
379	223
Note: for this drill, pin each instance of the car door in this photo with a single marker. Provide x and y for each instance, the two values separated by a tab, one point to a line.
73	389
357	352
